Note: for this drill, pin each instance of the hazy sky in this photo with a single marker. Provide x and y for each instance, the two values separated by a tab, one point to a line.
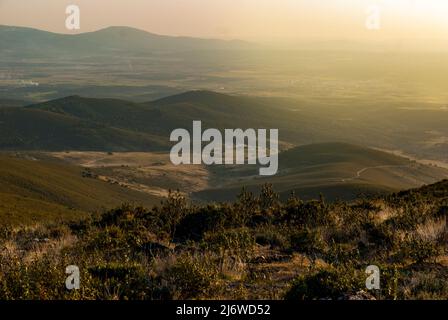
259	20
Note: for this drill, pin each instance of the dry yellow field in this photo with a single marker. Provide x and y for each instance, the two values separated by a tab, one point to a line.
149	172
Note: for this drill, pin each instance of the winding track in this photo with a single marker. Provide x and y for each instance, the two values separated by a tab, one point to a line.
360	172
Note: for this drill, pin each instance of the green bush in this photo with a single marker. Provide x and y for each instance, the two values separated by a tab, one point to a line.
326	284
274	237
118	280
382	235
40	280
310	214
309	241
211	218
236	243
172	210
191	277
420	250
343	253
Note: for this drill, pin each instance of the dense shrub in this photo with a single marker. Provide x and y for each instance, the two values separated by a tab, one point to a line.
326	284
43	279
275	237
251	248
345	253
310	214
172	211
420	250
191	277
235	243
309	241
120	280
211	218
382	235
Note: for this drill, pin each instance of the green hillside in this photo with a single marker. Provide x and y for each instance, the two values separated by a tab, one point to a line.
32	129
120	125
33	190
337	170
107	112
178	111
8	103
77	123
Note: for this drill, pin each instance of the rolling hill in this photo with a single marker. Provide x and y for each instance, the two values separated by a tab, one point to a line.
8	103
34	129
78	123
178	111
33	190
50	188
337	170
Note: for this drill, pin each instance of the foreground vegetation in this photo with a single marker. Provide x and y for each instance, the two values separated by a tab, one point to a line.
254	248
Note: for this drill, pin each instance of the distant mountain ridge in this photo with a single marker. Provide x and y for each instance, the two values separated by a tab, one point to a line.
28	42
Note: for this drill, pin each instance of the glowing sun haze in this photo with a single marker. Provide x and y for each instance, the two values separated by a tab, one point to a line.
260	20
